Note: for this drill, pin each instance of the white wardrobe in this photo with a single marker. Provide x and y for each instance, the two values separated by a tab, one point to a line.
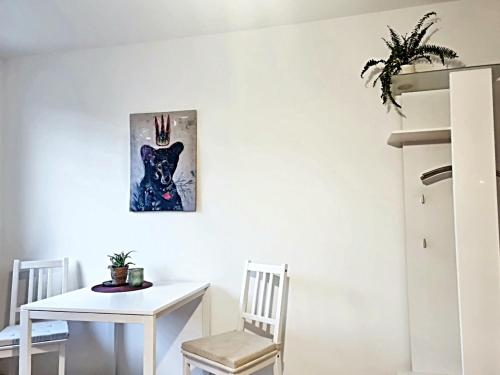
452	230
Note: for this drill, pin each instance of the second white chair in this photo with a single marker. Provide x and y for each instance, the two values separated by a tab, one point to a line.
258	342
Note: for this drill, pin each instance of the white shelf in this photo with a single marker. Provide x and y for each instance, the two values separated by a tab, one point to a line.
400	138
433	79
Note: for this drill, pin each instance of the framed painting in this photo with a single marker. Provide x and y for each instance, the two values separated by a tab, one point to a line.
163	161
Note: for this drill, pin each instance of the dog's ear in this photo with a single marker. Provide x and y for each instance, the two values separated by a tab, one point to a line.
176	149
147	153
173	153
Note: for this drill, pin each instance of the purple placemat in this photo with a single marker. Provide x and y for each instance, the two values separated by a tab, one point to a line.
120	289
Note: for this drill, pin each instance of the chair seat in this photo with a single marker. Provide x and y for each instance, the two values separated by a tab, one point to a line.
232	349
51	330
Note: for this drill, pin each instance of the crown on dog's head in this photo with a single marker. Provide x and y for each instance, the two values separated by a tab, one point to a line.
162	131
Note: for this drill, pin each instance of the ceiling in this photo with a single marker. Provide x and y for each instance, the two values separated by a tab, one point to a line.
39	26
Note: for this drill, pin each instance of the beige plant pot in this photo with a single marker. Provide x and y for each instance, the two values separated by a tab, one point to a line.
425	67
407	69
119	275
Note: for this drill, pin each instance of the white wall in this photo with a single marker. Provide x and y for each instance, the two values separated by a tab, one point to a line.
293	167
4	265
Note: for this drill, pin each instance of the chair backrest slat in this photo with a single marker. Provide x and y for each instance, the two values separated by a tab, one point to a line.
283	284
258	297
258	318
262	287
243	297
269	292
269	268
31	285
255	292
41	273
49	282
14	291
64	287
38	264
41	276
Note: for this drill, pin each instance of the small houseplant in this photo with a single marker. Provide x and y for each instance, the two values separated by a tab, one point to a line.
119	267
407	50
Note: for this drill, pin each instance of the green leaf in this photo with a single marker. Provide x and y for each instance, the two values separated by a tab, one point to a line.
120	259
421	22
422	57
369	64
395	37
439	51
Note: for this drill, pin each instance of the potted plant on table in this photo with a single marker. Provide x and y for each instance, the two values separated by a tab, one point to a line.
407	50
119	267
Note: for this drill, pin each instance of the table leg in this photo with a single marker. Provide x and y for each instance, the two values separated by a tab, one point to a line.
25	344
149	359
118	342
62	359
205	314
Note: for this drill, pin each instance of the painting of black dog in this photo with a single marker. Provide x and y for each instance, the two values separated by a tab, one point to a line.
163	161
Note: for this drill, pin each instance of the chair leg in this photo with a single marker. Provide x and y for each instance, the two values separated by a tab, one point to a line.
278	366
62	359
186	367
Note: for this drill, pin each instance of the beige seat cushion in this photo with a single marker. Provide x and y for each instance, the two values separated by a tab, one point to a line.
232	349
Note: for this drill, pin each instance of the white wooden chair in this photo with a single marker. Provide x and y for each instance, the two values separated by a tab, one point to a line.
258	342
48	336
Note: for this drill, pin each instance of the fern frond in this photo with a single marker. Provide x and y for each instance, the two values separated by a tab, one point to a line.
417	40
439	51
388	44
377	79
421	22
386	82
369	64
422	57
395	38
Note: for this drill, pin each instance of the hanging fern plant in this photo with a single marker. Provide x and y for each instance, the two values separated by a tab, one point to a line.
407	50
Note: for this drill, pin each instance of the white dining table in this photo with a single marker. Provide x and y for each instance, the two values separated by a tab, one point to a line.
142	306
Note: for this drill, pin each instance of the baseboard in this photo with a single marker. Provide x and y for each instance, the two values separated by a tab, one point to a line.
421	373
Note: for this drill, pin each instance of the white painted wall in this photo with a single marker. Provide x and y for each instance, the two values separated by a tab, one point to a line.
4	267
4	264
293	167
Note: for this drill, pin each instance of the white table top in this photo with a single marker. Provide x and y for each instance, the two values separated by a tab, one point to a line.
150	301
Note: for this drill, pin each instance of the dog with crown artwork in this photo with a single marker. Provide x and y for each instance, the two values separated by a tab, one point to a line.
163	161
